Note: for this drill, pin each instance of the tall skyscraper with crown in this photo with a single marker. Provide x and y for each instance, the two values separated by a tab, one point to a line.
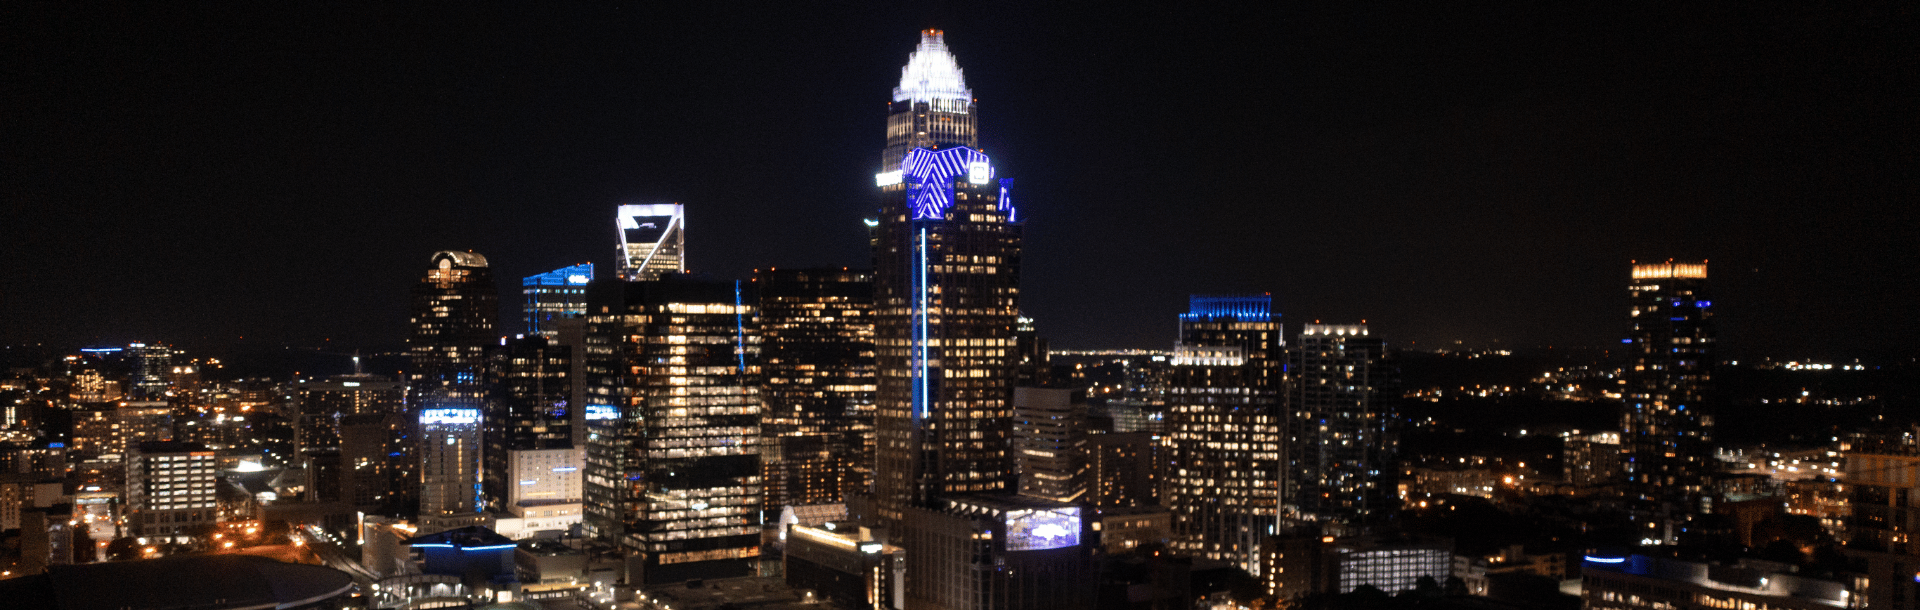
946	290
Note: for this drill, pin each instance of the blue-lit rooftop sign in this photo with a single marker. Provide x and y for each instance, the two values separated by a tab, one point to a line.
1245	306
450	416
932	172
577	275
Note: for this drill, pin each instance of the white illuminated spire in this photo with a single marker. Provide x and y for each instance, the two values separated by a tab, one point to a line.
931	73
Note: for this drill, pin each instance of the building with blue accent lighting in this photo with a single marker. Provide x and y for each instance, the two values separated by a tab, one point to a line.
554	296
1224	424
466	551
946	297
1667	444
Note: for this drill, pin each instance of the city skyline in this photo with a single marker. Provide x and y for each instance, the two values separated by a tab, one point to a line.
1442	175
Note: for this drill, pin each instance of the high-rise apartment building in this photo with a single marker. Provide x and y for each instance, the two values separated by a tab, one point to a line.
1224	427
652	240
1341	438
1666	441
554	296
527	410
673	456
946	296
1591	459
817	358
450	449
453	321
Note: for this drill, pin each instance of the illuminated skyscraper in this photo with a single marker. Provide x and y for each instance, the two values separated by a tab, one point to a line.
450	450
932	108
454	312
946	296
818	362
673	454
151	365
1224	426
1665	440
652	240
554	296
1342	442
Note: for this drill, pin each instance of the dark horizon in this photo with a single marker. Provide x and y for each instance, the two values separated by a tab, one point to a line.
231	179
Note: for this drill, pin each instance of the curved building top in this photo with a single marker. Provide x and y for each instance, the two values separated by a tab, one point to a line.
460	259
932	73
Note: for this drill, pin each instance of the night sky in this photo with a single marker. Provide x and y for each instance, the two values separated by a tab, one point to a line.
226	180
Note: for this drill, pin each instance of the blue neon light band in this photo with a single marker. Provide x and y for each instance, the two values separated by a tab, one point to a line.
739	329
931	173
576	275
920	390
1606	559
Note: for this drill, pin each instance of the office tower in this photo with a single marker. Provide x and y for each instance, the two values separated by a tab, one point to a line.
554	296
152	364
1050	442
454	308
1032	364
673	464
817	358
1223	428
652	240
946	297
450	447
171	487
932	108
527	410
1665	439
1341	463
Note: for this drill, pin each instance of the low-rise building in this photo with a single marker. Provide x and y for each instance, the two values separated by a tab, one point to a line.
1637	582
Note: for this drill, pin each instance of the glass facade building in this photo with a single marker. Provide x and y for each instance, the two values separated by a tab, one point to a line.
527	408
673	452
652	240
817	357
554	296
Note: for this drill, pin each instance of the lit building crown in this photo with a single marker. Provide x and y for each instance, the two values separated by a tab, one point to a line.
931	73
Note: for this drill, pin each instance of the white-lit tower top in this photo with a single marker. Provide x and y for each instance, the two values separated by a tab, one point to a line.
932	107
